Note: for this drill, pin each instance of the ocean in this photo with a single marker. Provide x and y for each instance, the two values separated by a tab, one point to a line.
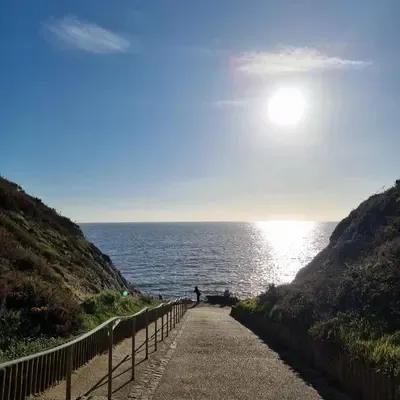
244	257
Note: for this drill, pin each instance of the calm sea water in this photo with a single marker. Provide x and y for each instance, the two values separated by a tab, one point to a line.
171	258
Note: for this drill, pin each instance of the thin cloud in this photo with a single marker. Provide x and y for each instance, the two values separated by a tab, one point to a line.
87	36
230	103
292	60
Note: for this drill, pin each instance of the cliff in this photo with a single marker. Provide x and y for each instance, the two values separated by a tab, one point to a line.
47	267
359	271
348	296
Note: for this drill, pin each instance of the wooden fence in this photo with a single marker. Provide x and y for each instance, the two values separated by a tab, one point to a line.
37	372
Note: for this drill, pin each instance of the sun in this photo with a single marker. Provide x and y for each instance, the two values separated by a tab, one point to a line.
286	107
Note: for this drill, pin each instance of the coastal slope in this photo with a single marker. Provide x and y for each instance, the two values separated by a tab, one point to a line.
359	271
348	296
47	268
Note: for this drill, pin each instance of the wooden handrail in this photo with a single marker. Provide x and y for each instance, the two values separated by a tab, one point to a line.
36	372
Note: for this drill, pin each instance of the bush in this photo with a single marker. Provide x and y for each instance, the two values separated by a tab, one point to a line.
10	325
45	311
363	339
21	347
108	304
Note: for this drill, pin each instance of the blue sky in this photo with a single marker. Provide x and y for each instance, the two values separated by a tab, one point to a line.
155	110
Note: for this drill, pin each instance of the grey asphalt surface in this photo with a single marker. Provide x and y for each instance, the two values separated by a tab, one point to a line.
218	358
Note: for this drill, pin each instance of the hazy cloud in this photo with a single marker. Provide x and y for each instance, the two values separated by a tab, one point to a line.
287	60
87	36
229	103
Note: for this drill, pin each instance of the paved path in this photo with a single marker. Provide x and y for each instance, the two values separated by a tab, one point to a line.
90	381
209	356
218	358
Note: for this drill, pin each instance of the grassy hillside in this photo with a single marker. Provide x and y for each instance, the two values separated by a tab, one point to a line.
349	294
48	271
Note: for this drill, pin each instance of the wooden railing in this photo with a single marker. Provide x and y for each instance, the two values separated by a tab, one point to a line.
34	373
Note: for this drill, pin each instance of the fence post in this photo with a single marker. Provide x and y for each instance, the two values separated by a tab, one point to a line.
166	314
68	373
162	324
170	317
146	321
133	347
155	328
110	351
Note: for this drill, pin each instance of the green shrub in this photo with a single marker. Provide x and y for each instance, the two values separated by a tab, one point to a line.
108	304
363	339
44	310
252	305
21	347
10	325
46	325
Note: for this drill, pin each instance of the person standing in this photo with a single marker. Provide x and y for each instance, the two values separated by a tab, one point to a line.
198	294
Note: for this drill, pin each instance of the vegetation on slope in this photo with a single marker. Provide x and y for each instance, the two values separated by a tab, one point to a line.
48	273
14	342
349	295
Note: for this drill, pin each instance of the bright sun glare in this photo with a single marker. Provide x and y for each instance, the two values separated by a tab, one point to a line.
286	106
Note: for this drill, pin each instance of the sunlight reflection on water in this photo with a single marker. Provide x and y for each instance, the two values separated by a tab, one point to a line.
170	258
290	244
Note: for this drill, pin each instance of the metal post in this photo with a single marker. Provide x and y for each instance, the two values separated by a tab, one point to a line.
68	373
167	322
133	347
162	325
155	329
146	321
110	351
175	315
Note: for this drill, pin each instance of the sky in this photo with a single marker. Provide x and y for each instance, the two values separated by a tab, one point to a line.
157	110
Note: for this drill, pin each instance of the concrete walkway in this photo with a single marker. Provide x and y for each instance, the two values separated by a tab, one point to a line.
208	356
218	358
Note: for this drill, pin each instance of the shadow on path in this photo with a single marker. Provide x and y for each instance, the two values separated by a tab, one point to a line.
117	371
318	380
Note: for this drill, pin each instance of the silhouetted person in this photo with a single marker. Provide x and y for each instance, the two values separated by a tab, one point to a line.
198	293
